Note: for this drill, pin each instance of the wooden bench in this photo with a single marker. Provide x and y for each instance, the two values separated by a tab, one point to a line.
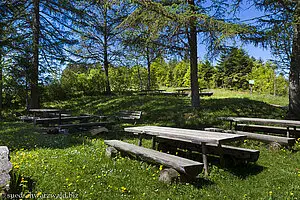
267	129
182	165
129	116
288	124
55	120
287	141
90	124
232	155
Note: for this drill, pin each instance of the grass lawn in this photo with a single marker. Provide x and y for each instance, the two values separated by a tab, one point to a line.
74	164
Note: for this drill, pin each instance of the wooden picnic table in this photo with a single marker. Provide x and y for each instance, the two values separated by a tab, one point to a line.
285	123
183	91
192	136
153	91
45	112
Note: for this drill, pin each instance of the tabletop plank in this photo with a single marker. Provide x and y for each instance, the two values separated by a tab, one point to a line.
195	136
44	110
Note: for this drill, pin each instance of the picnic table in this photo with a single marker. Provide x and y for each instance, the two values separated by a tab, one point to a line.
189	135
153	91
284	123
45	112
184	91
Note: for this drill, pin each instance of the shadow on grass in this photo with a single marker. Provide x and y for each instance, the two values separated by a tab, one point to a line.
20	135
175	111
245	171
200	183
157	110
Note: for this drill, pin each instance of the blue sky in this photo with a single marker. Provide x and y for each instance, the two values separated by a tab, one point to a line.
247	12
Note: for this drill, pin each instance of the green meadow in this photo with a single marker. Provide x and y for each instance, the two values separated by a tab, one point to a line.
75	164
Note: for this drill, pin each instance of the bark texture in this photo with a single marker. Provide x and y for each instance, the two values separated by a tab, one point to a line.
34	101
294	82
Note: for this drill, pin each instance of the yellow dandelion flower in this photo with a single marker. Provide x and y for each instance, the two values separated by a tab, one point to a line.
160	167
124	189
270	193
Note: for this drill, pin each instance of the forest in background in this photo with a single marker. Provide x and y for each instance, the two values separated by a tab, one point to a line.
233	71
103	43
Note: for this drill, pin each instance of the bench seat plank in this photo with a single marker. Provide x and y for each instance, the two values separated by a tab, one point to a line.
268	138
85	124
56	119
183	165
128	114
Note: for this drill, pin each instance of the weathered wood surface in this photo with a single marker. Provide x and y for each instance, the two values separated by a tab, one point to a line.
45	110
90	124
193	136
174	94
266	129
248	155
182	165
129	115
268	138
263	121
65	119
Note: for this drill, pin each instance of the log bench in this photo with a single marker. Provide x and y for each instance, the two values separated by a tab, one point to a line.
232	155
182	165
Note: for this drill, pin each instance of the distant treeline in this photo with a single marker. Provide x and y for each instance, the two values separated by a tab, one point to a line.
233	71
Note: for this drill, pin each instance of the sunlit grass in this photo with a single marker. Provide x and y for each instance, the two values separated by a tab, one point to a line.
75	163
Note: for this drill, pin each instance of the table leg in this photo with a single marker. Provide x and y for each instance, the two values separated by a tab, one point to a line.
140	139
222	160
153	142
59	118
204	156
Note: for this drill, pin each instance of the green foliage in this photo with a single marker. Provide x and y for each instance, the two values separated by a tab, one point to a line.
266	79
233	69
207	75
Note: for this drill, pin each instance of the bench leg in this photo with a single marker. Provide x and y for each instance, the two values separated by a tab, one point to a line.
288	132
204	151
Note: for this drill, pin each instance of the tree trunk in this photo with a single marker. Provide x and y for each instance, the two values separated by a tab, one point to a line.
105	47
140	78
35	67
192	39
294	81
1	86
149	69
